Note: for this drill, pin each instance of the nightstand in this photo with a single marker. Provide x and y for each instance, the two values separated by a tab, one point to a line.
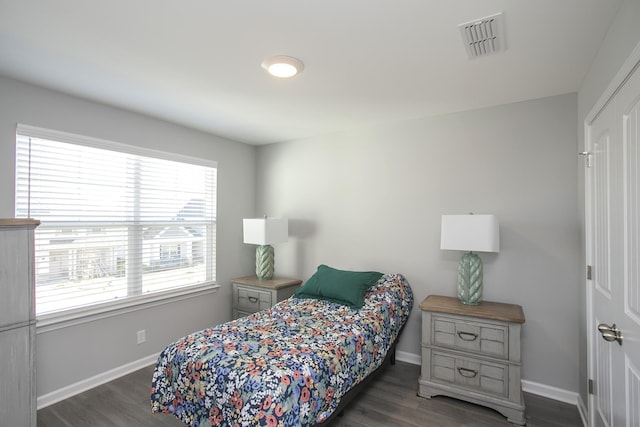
251	294
473	353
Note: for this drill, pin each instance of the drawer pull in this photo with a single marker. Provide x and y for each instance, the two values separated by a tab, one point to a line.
253	300
469	336
467	373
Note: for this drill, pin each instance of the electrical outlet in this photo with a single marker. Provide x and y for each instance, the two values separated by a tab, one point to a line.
142	336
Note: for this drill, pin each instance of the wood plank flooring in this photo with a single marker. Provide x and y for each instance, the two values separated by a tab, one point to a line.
391	400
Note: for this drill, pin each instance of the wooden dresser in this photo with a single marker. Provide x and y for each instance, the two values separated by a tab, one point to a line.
251	294
17	323
473	353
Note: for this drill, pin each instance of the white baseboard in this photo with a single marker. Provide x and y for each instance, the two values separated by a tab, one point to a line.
404	356
551	392
89	383
582	410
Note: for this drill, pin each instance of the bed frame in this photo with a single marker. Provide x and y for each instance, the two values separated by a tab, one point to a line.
389	359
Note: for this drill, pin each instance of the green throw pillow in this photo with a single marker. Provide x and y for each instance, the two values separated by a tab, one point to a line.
340	286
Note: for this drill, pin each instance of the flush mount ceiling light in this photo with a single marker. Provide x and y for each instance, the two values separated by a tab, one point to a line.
283	66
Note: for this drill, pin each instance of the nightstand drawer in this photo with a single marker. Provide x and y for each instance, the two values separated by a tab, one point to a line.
470	373
466	335
252	299
251	294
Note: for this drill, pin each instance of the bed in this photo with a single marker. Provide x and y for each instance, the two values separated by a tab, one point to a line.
295	364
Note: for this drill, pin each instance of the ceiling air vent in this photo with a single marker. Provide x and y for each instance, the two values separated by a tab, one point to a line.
484	36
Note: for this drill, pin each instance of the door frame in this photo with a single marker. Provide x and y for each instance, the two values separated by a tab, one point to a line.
631	65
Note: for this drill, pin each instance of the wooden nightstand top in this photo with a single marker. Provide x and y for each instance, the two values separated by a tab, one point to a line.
18	222
276	283
486	309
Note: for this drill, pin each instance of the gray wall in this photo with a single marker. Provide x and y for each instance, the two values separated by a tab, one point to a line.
372	200
621	39
66	356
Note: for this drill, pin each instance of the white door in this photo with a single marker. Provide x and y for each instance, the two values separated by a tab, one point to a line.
613	252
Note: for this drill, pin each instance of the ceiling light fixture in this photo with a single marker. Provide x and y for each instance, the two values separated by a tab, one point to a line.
283	66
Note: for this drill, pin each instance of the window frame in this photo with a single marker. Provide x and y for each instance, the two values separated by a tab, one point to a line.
77	315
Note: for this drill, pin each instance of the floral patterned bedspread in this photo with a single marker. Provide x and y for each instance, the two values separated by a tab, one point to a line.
286	366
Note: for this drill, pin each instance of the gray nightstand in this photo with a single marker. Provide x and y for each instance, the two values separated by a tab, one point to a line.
472	352
251	294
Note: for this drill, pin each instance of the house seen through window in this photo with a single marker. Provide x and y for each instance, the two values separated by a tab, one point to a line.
117	222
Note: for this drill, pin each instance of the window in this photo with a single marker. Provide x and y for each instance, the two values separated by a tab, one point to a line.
117	222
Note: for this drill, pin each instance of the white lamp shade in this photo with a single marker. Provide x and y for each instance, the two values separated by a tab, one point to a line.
474	233
265	231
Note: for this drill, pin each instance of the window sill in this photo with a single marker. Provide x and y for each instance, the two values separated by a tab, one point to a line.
77	316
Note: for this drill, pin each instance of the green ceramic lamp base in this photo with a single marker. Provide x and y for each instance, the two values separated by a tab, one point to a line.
264	262
470	279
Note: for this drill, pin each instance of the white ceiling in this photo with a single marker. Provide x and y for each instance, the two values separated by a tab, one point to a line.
197	62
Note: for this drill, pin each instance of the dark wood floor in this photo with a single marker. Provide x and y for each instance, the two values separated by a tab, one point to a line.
391	400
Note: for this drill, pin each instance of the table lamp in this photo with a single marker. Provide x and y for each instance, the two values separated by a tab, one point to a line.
264	232
470	233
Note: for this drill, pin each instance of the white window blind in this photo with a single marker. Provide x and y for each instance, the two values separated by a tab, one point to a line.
117	221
